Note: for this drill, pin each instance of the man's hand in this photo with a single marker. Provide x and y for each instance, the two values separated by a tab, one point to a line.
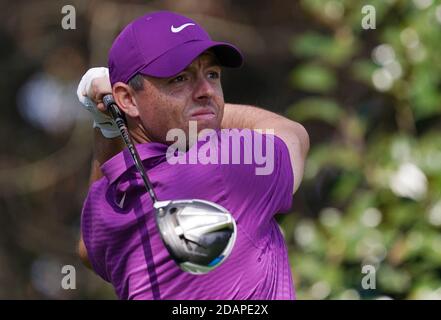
99	87
93	86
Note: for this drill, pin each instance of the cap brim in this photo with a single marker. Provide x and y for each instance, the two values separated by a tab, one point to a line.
177	59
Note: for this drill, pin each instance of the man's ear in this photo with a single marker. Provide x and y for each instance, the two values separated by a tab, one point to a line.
125	99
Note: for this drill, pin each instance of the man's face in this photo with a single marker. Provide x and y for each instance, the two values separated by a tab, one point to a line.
195	94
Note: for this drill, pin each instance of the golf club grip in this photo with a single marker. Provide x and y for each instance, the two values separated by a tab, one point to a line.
117	116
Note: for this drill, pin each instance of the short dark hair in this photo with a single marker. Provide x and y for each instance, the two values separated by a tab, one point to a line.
137	82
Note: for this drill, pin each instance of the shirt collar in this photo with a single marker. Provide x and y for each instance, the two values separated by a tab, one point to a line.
120	163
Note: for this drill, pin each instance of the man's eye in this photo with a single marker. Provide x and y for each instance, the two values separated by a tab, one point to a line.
214	75
179	78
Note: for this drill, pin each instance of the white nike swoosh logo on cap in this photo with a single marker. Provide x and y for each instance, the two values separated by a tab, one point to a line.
179	29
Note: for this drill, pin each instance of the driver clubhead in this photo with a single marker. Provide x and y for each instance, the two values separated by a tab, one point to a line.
198	234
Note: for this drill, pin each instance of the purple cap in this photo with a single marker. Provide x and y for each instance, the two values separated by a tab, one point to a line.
162	44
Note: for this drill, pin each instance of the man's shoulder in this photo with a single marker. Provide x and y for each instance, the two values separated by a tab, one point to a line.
97	188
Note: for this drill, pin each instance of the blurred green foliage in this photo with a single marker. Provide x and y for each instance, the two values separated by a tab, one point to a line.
373	178
370	100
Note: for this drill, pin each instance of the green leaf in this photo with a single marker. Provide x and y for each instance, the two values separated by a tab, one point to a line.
313	78
362	70
333	50
322	109
337	156
425	96
346	185
393	280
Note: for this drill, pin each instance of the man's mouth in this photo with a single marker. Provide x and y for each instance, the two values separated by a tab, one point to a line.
202	114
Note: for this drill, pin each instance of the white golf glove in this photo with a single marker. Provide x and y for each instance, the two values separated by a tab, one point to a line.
102	121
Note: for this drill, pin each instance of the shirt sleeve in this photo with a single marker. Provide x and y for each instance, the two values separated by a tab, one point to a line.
91	228
264	183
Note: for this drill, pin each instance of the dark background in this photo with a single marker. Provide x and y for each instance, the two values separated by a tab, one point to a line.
370	100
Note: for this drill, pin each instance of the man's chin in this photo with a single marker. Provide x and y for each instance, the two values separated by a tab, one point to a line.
202	124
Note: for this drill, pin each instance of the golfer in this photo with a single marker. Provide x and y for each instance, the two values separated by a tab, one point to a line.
164	72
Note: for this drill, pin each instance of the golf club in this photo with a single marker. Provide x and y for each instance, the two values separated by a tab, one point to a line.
199	235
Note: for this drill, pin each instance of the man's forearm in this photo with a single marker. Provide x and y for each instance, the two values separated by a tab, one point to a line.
244	116
103	150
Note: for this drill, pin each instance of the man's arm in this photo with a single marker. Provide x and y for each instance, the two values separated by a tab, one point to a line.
95	84
292	133
103	150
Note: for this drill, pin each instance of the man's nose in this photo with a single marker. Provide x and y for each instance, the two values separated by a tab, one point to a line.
203	90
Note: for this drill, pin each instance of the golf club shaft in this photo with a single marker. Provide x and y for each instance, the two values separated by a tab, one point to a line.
114	111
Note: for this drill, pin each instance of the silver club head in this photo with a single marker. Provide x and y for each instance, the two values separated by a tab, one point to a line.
198	234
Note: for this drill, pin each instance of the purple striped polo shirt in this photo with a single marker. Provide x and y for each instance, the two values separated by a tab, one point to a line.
124	245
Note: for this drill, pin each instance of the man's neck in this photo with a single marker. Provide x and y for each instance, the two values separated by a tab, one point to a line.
138	133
